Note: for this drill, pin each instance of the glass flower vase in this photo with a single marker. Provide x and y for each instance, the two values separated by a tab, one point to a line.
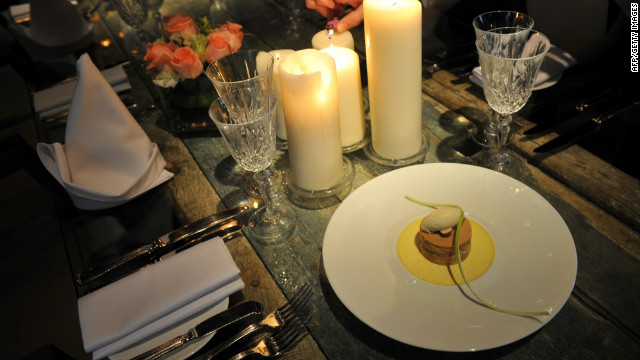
186	105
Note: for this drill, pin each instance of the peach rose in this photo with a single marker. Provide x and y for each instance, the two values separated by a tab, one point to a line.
187	63
160	55
180	25
225	40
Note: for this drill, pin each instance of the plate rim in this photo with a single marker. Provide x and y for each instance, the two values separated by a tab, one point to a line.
442	168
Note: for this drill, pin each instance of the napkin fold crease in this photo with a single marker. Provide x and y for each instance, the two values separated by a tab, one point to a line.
107	158
57	99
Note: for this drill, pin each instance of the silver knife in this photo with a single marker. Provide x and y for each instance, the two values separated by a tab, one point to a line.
568	116
582	130
226	231
164	244
240	312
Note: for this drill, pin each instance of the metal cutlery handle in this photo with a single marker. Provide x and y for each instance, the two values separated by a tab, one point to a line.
249	330
220	224
247	311
167	347
615	111
95	273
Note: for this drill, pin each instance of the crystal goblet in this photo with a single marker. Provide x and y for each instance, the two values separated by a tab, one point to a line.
508	79
252	69
500	31
251	140
154	6
134	14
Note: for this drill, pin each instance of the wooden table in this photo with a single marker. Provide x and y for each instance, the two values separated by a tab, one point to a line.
599	203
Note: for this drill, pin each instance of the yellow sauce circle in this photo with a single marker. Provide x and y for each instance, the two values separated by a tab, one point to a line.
477	263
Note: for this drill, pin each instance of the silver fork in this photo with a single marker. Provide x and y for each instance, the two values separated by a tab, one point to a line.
278	343
294	309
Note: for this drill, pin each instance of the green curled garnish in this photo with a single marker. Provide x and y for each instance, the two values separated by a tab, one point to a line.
464	277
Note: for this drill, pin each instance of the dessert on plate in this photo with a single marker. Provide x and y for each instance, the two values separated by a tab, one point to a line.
438	233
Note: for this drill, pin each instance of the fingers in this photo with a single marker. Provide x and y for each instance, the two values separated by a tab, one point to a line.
352	19
354	3
321	6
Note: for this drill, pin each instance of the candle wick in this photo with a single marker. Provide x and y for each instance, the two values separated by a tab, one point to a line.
331	26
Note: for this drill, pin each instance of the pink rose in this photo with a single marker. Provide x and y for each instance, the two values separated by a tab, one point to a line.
187	63
180	25
160	55
225	40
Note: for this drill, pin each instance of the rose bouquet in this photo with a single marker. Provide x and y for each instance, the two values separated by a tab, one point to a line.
187	46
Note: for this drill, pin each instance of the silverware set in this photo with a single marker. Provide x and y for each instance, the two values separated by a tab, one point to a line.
578	119
278	343
223	224
281	330
270	335
284	326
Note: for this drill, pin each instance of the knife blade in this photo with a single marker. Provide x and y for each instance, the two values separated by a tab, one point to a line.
568	115
164	244
448	63
140	262
235	314
583	129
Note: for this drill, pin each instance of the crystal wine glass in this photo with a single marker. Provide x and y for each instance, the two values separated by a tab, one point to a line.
498	29
508	77
154	6
134	14
251	140
245	69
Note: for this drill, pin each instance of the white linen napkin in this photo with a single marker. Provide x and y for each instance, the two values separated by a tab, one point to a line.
555	62
57	99
107	158
153	299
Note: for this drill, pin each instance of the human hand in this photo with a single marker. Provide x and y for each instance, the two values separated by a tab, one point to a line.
324	7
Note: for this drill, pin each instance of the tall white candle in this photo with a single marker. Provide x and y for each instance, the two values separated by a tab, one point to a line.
352	128
279	55
321	40
393	40
308	83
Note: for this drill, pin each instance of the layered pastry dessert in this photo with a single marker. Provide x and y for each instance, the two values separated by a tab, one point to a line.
438	233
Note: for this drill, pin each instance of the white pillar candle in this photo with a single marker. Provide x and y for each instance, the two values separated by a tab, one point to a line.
321	40
308	82
352	128
393	40
279	55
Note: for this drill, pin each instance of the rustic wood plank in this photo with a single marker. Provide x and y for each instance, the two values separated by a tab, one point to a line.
298	259
193	198
585	221
303	250
591	177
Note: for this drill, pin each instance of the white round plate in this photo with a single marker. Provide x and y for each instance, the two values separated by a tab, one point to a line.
534	267
177	330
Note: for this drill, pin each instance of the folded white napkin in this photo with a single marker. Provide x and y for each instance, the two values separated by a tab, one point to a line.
107	158
22	11
153	299
19	11
555	62
57	99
